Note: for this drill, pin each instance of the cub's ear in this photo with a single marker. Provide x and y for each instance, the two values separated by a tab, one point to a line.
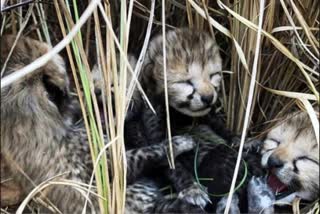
56	81
54	73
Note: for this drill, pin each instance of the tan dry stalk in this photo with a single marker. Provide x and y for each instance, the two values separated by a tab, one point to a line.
171	162
189	14
117	149
101	64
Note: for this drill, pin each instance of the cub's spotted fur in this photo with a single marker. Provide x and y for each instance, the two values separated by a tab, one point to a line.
215	159
35	137
193	70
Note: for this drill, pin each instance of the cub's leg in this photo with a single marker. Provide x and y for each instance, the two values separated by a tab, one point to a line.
148	157
234	207
184	183
260	196
175	205
144	196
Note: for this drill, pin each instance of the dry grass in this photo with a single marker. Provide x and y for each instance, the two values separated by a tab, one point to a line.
283	73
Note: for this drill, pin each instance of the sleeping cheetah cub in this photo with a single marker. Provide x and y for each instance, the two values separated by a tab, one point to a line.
193	70
36	138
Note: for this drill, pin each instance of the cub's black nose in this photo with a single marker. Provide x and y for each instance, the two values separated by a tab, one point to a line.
207	99
275	162
97	91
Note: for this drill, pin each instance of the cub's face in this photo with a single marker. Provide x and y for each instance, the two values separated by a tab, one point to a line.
291	153
193	70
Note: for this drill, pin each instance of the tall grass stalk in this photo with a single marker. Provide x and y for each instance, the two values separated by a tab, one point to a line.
164	43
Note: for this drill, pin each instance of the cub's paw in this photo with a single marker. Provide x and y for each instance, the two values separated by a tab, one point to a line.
260	196
195	195
250	145
182	144
234	207
253	145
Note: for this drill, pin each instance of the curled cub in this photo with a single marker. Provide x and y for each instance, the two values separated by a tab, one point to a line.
39	144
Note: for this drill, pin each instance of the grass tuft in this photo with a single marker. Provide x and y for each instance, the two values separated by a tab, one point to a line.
270	68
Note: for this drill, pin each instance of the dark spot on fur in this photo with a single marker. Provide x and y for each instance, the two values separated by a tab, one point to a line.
295	168
184	105
189	82
295	184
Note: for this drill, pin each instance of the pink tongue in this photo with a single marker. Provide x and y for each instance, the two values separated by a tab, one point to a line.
275	184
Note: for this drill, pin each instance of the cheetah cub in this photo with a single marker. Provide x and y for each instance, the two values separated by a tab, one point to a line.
291	153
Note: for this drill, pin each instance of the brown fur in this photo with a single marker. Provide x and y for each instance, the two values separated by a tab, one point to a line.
34	138
39	144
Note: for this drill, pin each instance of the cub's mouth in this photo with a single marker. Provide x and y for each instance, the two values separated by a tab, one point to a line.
194	112
201	109
279	189
187	108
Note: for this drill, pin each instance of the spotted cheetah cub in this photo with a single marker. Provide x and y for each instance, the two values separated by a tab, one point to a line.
193	70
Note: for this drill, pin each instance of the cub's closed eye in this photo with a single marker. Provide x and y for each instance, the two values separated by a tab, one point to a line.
188	82
305	158
274	140
214	74
270	144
